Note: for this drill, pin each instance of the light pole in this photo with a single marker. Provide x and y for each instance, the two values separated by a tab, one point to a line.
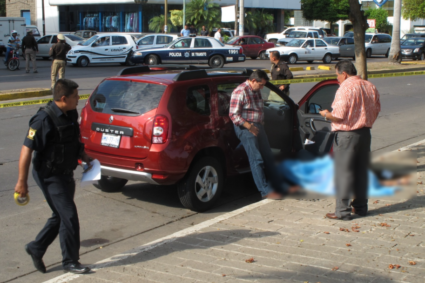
184	12
165	16
241	17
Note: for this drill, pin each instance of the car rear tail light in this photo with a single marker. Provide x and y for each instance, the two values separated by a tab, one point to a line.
240	50
160	129
137	46
158	176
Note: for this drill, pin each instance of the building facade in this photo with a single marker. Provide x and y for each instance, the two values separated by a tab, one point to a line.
119	15
22	8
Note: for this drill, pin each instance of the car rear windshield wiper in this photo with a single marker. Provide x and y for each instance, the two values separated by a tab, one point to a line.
124	111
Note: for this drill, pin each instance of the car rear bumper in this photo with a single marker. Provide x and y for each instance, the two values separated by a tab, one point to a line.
72	59
128	174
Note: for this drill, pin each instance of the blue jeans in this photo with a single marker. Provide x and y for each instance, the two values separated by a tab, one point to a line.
6	56
260	158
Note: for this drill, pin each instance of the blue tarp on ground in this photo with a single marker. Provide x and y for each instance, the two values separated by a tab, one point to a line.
318	176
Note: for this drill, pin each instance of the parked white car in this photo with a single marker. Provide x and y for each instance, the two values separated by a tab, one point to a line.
306	49
103	48
46	42
298	34
274	37
154	40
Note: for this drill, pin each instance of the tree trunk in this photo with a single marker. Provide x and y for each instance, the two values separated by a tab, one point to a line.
359	21
395	52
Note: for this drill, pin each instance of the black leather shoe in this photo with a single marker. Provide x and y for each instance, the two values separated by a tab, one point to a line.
76	268
359	213
38	262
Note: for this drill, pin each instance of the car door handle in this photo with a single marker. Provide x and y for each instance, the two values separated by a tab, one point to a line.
124	47
312	48
312	125
106	49
326	48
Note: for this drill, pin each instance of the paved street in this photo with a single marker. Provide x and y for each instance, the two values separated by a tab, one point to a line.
112	223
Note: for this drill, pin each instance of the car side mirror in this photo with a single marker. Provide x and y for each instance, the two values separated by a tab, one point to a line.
314	108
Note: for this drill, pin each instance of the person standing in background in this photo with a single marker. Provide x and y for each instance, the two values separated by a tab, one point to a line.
280	71
185	31
58	53
217	35
29	50
204	31
355	108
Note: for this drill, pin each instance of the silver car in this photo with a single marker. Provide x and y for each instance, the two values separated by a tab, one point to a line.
375	44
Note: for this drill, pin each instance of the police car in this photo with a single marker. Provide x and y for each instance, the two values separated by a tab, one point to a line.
193	50
103	48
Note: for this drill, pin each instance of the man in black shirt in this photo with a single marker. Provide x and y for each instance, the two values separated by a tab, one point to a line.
280	71
58	53
193	30
54	136
204	31
29	49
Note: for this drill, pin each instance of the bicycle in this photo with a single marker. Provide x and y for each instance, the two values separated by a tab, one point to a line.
12	63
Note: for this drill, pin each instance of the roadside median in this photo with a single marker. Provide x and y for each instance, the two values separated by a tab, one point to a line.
24	93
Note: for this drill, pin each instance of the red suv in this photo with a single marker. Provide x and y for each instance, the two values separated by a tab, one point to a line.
170	125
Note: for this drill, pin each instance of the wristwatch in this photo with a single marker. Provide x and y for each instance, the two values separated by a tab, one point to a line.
325	117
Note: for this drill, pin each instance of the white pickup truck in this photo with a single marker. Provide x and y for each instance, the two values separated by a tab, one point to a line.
274	37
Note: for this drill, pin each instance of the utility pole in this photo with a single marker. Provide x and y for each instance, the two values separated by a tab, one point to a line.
165	16
236	16
42	17
184	13
241	17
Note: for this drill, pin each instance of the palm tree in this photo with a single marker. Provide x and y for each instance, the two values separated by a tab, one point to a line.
259	22
395	52
203	12
156	24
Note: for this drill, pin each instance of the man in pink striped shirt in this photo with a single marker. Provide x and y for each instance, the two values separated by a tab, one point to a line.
355	108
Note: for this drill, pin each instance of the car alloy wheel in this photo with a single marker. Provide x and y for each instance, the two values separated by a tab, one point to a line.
152	60
83	61
216	61
203	185
293	59
327	59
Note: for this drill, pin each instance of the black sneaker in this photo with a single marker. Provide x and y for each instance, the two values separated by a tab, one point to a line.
76	268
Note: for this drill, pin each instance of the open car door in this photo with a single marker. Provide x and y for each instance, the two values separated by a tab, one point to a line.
315	132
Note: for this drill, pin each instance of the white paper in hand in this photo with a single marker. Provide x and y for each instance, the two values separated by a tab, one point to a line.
307	142
93	174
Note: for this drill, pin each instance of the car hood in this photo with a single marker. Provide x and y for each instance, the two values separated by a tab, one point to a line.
410	46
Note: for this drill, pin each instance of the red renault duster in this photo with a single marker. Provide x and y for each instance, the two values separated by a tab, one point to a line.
170	125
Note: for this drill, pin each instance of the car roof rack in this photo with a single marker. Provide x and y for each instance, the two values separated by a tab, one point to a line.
144	69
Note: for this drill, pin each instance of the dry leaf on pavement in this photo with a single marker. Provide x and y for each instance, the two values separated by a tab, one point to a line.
335	268
326	232
250	260
376	201
384	225
348	245
412	262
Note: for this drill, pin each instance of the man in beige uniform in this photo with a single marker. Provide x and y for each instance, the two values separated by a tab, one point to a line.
58	53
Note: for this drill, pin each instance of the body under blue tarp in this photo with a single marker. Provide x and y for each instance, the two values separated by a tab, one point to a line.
318	176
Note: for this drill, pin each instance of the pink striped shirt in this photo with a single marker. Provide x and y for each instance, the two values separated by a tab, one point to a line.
356	103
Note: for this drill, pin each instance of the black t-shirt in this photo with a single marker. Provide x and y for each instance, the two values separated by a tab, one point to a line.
204	32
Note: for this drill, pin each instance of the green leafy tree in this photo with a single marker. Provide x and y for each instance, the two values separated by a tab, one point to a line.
413	9
381	16
156	24
176	18
325	10
2	8
203	12
259	22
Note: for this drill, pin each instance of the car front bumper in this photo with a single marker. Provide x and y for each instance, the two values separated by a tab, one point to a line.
72	59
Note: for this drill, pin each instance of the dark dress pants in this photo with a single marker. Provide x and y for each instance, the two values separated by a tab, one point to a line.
351	154
59	193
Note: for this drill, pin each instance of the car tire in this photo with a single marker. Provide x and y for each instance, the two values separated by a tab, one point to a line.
216	61
310	61
327	59
203	185
111	184
292	59
152	60
254	57
83	61
369	53
46	58
263	55
387	54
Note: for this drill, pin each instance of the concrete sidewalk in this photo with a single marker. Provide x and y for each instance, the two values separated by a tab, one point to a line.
285	241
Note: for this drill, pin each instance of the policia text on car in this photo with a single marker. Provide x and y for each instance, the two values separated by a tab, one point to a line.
54	136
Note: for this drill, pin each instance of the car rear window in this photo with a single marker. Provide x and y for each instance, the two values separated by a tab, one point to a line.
126	97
